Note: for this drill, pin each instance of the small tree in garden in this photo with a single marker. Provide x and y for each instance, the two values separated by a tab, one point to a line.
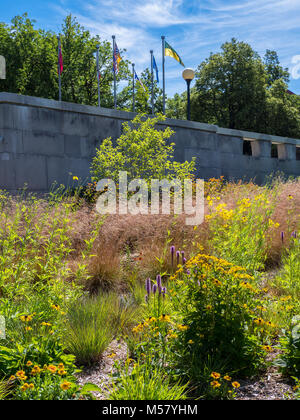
143	151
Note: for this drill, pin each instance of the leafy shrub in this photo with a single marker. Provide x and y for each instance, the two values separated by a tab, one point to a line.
289	361
220	306
142	151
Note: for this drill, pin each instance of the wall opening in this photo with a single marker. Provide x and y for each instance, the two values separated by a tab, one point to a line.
247	149
274	151
297	153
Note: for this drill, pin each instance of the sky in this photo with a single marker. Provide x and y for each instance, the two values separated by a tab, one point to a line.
194	28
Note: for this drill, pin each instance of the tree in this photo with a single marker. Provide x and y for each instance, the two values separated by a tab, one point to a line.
31	57
283	117
142	95
273	68
230	88
142	151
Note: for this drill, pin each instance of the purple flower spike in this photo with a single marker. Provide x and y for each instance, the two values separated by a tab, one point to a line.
154	288
178	256
164	290
146	298
148	286
184	261
172	250
158	281
294	234
282	237
188	272
182	256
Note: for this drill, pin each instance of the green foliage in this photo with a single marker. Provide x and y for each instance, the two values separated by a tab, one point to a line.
230	88
93	323
288	278
289	360
143	382
219	305
31	57
142	150
240	235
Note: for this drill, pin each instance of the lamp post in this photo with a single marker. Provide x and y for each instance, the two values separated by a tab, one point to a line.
188	75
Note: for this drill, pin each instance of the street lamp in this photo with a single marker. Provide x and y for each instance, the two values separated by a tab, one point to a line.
188	75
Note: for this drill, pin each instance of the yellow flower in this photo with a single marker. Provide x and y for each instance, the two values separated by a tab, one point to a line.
65	385
259	321
62	372
24	387
29	363
20	373
75	178
112	355
165	318
215	375
28	328
190	342
182	327
31	386
35	370
209	307
26	318
215	384
217	282
235	384
52	368
268	349
46	324
12	378
227	378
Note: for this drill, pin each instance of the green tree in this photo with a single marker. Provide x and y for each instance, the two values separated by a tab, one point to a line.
283	117
31	57
273	68
231	88
142	151
142	95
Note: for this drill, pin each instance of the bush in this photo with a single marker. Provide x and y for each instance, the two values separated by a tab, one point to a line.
220	304
142	151
289	361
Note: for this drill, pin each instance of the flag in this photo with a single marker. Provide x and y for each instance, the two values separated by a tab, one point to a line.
136	78
156	69
60	60
116	59
172	53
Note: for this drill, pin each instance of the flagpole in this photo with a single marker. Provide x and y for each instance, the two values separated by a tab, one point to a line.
163	71
152	83
58	66
97	46
133	88
115	80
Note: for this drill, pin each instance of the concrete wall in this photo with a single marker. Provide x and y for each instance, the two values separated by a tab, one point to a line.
42	141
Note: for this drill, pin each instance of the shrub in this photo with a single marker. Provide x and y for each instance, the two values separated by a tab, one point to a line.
289	361
142	151
220	306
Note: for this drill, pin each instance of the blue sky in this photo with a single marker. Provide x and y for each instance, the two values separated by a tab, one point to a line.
194	28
